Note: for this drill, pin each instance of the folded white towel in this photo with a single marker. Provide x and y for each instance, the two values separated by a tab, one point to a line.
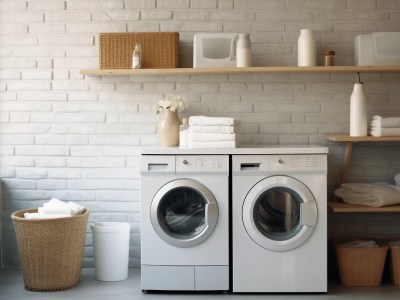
55	208
212	145
44	216
210	121
360	244
213	129
75	208
369	194
51	210
378	131
388	122
211	137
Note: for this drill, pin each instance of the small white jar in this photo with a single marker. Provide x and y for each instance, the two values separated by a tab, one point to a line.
306	49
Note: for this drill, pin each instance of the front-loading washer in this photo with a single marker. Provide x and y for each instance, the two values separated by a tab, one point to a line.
185	222
279	222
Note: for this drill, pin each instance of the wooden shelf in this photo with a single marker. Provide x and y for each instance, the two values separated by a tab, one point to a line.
248	70
340	207
347	138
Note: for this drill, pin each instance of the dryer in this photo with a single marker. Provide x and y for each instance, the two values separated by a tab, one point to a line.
185	222
279	222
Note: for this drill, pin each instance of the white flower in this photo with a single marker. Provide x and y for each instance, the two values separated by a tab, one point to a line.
175	103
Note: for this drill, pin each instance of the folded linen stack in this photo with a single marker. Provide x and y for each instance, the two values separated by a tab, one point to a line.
211	132
381	126
369	194
56	209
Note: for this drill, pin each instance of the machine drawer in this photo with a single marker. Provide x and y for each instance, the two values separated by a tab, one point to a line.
172	278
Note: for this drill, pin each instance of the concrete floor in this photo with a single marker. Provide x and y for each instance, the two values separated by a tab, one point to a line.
12	288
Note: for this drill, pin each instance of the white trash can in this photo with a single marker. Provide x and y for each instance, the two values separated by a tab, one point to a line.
111	250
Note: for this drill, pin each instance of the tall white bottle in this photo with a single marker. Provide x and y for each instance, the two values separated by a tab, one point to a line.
358	111
243	50
306	49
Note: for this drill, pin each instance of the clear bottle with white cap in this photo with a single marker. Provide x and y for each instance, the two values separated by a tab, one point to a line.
137	57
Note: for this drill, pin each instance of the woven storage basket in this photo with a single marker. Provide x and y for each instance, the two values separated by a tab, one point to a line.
394	260
51	250
360	266
159	49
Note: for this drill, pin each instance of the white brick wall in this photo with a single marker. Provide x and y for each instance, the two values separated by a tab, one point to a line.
77	138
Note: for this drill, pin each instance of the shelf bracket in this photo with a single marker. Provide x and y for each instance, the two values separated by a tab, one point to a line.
347	161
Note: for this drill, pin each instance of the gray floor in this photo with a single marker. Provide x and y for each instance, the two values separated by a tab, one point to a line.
12	288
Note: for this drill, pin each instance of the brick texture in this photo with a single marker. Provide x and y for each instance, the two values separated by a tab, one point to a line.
77	137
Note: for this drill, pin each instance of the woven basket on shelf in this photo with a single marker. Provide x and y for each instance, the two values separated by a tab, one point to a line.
360	266
394	260
50	250
159	49
395	265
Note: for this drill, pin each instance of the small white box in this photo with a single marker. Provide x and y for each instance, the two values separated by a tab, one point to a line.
377	49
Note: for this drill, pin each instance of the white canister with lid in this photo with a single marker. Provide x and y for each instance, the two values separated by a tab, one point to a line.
307	49
243	50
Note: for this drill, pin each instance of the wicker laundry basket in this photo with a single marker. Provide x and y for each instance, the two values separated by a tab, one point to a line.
394	260
160	50
51	250
360	266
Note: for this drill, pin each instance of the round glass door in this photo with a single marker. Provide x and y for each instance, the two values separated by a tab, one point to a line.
279	213
184	213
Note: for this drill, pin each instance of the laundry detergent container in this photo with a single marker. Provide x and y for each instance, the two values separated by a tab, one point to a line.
111	250
50	250
377	49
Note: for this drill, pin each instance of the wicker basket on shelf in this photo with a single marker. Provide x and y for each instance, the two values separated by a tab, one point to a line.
360	266
50	250
159	49
394	260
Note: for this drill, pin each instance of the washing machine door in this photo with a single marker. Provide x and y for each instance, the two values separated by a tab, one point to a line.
279	213
184	213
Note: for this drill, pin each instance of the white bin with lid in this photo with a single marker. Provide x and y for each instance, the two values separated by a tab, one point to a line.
111	250
377	49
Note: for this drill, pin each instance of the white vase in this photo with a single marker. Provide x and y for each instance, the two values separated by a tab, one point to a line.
358	111
168	128
306	49
243	50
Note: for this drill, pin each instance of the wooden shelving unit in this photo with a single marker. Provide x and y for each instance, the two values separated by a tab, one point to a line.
248	70
341	207
349	140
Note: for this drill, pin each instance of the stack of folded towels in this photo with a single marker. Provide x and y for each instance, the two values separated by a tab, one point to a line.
381	126
56	209
211	132
369	194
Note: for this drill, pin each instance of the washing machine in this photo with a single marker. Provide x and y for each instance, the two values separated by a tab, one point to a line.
279	222
185	222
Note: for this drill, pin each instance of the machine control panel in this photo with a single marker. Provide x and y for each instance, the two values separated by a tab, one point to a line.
297	162
202	163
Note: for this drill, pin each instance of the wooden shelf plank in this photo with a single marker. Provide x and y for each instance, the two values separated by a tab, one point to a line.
247	70
347	138
340	207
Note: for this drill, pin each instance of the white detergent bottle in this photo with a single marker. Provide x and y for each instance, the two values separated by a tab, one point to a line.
358	110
